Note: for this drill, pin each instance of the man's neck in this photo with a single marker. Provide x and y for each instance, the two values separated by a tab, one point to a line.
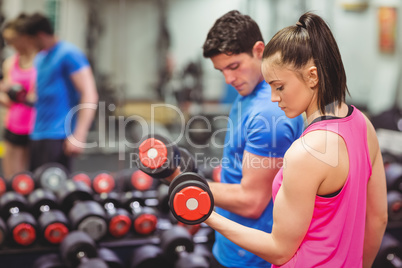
50	42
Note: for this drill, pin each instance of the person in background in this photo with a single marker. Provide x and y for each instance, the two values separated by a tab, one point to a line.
258	135
18	73
66	96
330	197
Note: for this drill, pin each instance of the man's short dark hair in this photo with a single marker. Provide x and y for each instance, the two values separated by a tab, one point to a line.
37	23
233	33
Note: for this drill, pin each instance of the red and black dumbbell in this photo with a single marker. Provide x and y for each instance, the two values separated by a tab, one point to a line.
394	199
100	182
103	182
22	183
17	93
21	224
82	177
190	199
135	179
178	248
85	214
119	219
50	176
79	250
144	218
158	156
53	225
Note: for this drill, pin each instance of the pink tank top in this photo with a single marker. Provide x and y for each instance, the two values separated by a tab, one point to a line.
335	236
20	117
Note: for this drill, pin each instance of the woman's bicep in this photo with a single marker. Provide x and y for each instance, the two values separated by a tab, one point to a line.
294	203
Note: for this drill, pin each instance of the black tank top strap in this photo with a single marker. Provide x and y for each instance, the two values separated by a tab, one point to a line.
322	118
326	117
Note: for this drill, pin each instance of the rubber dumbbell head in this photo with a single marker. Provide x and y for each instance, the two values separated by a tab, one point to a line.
82	177
21	224
148	256
135	179
22	183
90	217
199	130
51	176
119	219
163	198
141	181
144	218
41	200
72	192
191	200
52	223
158	156
175	241
76	246
103	182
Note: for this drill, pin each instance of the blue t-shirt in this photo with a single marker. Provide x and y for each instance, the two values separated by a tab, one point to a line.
260	127
56	94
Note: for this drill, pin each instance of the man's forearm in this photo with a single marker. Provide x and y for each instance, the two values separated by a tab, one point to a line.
234	198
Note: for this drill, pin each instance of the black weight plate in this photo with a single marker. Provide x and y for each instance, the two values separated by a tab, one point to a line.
188	176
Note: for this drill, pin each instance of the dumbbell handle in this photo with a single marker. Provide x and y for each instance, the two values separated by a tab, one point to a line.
395	260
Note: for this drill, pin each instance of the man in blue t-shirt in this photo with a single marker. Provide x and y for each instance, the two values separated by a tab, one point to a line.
258	136
66	96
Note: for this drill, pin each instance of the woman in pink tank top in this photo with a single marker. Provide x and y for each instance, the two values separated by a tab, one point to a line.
330	205
18	70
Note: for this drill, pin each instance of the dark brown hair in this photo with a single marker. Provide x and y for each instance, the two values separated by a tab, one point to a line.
233	33
311	39
37	23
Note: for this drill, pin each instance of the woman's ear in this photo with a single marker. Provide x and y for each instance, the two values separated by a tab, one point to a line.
312	76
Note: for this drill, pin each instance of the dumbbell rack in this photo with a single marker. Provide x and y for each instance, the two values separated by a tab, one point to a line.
25	257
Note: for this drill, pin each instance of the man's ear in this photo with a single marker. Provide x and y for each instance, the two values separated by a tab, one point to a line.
312	76
258	49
